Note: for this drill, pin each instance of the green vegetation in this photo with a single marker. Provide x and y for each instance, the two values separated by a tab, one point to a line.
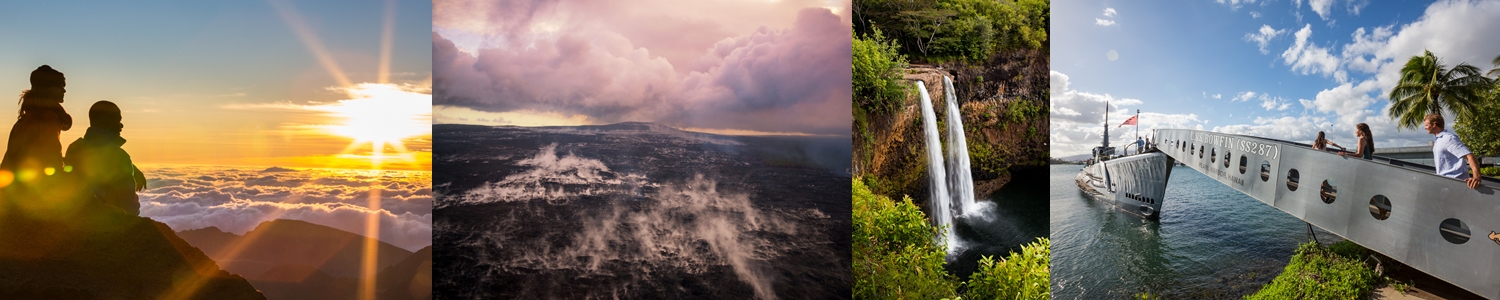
966	30
1427	86
895	258
1315	272
1022	276
1477	130
877	67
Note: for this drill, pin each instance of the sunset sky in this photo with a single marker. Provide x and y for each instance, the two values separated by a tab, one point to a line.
255	83
733	67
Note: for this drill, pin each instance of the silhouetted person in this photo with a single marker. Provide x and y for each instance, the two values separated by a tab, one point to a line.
101	165
34	151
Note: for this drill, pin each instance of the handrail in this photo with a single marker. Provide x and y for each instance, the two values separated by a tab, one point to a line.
1429	223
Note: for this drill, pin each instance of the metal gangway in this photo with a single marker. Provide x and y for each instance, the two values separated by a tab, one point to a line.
1402	210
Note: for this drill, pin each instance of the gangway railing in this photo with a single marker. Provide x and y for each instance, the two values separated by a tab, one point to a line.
1403	210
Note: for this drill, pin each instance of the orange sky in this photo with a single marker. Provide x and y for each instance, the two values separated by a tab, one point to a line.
255	83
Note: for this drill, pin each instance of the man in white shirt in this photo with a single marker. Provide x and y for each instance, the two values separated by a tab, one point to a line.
1449	153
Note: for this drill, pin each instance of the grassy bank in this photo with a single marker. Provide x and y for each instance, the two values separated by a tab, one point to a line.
1316	272
895	258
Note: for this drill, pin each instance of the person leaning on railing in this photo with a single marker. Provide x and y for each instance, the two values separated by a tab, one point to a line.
1449	153
1366	147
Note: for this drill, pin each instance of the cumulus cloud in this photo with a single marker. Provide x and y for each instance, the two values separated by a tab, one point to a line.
1306	58
1103	22
601	60
1263	37
237	199
1322	7
1077	118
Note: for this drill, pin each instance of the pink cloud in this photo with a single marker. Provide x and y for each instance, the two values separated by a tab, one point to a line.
790	80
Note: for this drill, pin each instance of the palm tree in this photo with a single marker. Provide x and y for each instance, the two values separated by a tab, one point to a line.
1496	70
1427	87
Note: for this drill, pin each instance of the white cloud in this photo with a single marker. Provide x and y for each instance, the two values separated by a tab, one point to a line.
236	200
1243	96
1452	30
1263	37
1364	45
1267	101
1108	13
1235	4
1307	58
1078	118
1255	15
1348	101
1218	96
1322	7
1356	5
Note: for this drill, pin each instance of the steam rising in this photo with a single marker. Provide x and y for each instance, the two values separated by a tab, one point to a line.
689	226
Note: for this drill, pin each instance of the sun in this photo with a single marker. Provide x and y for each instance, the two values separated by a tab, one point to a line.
378	116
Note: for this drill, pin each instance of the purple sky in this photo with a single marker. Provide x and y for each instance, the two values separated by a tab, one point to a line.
758	66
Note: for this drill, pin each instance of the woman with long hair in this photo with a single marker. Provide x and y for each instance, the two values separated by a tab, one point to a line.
1366	147
34	150
1320	143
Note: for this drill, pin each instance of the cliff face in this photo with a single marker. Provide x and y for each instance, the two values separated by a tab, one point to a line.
1004	131
58	249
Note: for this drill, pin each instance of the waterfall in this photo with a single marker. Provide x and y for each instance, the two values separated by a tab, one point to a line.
940	202
960	180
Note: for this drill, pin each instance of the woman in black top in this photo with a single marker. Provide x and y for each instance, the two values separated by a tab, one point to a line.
1366	147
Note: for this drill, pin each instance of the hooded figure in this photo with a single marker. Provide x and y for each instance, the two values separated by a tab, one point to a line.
34	151
101	165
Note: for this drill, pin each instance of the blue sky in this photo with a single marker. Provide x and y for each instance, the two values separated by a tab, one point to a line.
1281	69
219	82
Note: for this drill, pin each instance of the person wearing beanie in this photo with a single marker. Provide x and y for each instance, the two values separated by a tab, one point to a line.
101	165
34	151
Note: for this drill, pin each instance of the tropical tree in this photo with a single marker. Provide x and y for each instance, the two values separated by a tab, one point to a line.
1427	86
1496	70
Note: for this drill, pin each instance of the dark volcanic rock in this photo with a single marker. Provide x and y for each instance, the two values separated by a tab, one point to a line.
638	211
58	249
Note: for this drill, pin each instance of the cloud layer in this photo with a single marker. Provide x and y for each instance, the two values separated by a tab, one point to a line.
574	59
237	199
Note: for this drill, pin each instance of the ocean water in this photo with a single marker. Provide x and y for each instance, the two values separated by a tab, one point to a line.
1212	242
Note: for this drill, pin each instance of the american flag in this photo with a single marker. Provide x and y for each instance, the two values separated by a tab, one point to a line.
1131	121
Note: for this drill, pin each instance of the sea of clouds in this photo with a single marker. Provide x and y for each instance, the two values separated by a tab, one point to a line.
236	199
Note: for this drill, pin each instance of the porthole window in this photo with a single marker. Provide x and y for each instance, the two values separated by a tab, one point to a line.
1200	152
1380	207
1292	180
1192	149
1213	156
1265	171
1454	231
1243	160
1226	159
1328	192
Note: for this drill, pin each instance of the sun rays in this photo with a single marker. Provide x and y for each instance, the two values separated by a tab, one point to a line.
375	116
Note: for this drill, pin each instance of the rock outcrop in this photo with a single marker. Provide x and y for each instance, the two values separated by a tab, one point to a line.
79	249
1003	131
